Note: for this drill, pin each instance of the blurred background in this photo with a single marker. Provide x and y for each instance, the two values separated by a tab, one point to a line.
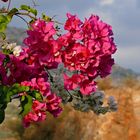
123	83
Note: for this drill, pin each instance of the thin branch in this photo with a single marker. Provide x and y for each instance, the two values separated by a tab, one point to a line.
9	5
19	13
72	95
34	3
51	77
23	20
25	14
57	22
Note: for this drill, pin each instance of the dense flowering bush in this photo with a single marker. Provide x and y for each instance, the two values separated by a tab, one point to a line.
31	73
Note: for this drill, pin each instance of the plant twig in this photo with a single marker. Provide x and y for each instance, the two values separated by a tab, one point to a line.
51	77
9	5
72	95
19	13
25	14
23	20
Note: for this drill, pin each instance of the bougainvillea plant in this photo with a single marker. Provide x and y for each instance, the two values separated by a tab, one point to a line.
52	69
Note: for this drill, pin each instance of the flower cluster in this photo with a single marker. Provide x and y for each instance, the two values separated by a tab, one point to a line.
41	54
28	68
43	48
88	48
50	102
85	51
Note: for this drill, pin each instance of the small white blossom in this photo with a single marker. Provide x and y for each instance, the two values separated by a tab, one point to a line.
9	46
17	50
13	48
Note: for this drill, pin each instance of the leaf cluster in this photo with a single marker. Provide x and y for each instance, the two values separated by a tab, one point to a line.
8	93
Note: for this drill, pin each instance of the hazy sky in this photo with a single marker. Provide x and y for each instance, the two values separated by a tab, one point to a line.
123	15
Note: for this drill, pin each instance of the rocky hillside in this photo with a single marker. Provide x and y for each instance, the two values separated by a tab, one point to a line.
16	34
74	125
119	72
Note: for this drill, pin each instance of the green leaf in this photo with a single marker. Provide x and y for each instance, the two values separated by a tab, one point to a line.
4	20
1	89
25	7
2	35
2	96
17	88
2	116
24	89
3	27
0	77
31	21
5	89
26	104
38	96
8	96
3	106
8	92
12	12
8	18
6	60
46	18
35	94
33	11
7	52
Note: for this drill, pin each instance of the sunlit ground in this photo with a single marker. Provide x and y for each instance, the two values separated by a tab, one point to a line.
75	125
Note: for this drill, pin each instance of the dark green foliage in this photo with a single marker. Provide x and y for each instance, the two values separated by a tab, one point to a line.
8	93
2	115
12	12
28	9
26	104
35	94
4	20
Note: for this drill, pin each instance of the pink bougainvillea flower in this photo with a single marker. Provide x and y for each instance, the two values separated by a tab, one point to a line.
24	54
88	47
77	57
105	66
36	115
82	82
19	71
88	55
4	78
38	105
43	48
38	84
85	49
71	83
65	39
44	86
50	102
72	23
87	87
2	57
46	30
53	102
